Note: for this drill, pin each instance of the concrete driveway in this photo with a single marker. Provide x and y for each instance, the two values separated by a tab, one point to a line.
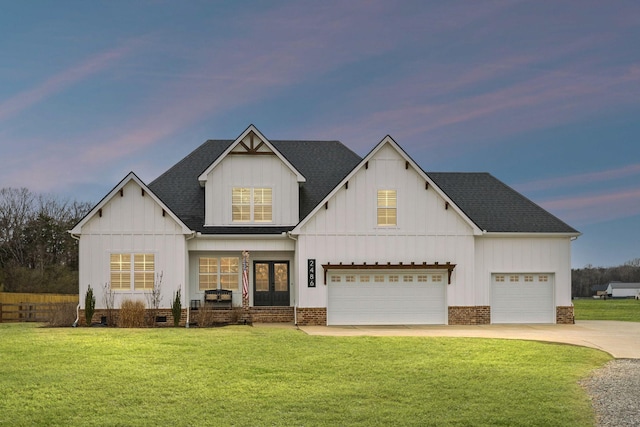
620	339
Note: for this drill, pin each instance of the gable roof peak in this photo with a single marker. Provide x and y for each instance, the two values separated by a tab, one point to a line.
239	146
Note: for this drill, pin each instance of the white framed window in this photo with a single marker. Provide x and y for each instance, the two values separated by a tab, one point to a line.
387	208
125	275
219	272
365	278
422	278
407	278
436	278
543	278
393	278
378	278
350	278
251	204
500	278
336	279
514	278
528	278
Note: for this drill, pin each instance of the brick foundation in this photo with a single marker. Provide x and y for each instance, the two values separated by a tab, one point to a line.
564	315
470	315
312	316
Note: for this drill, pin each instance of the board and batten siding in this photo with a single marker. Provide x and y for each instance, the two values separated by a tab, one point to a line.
131	223
347	231
254	171
528	254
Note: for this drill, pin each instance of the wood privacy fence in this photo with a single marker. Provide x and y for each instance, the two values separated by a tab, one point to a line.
24	307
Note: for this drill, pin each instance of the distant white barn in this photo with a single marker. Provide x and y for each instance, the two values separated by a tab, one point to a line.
623	290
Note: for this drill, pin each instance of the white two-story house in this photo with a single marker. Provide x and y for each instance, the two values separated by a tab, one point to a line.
330	238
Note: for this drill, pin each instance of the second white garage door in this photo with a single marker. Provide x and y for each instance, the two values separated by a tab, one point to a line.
522	298
386	298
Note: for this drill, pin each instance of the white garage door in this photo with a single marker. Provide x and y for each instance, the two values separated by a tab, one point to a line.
522	298
386	298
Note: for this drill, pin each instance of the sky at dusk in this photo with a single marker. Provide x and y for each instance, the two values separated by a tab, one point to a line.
544	95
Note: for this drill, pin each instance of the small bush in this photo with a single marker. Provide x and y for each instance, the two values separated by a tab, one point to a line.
176	309
132	314
205	316
62	314
89	305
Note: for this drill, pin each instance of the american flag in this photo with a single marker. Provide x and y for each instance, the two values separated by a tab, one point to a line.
245	274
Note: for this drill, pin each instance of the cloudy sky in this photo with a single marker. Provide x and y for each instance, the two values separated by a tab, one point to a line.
544	95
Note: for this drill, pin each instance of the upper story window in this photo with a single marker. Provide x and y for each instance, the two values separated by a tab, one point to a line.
387	208
251	204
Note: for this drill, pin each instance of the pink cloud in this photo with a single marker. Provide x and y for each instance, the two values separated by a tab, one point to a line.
596	208
580	179
62	80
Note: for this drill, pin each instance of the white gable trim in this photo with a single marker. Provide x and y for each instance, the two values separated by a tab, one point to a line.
77	230
388	140
203	177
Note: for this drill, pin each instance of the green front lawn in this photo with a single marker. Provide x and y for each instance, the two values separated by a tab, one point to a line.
247	376
609	309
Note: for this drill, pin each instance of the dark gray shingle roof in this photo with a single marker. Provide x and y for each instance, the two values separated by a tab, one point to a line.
489	203
495	207
322	163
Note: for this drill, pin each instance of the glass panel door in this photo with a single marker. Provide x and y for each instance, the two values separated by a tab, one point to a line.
271	283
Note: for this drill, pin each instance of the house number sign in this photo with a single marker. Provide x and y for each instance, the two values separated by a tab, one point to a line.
311	273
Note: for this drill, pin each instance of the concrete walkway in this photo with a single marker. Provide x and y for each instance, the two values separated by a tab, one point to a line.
620	339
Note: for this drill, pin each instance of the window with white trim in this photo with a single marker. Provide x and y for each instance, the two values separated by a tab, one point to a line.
251	204
219	273
387	208
138	275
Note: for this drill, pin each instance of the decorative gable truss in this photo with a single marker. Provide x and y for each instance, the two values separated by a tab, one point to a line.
383	197
251	184
119	191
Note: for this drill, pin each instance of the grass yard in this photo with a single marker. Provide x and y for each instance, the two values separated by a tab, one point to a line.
252	376
609	309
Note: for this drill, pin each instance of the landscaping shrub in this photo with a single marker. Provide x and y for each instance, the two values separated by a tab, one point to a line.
62	314
132	314
205	316
176	309
89	305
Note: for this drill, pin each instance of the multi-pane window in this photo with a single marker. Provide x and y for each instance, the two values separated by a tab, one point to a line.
229	272
336	279
378	278
208	273
251	204
514	278
141	270
220	273
436	278
241	204
350	278
393	278
387	208
422	277
365	278
543	278
120	271
528	278
262	205
407	278
500	278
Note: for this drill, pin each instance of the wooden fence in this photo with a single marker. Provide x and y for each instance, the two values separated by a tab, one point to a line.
24	307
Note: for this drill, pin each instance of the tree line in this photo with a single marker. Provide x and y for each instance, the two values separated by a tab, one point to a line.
36	252
584	279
